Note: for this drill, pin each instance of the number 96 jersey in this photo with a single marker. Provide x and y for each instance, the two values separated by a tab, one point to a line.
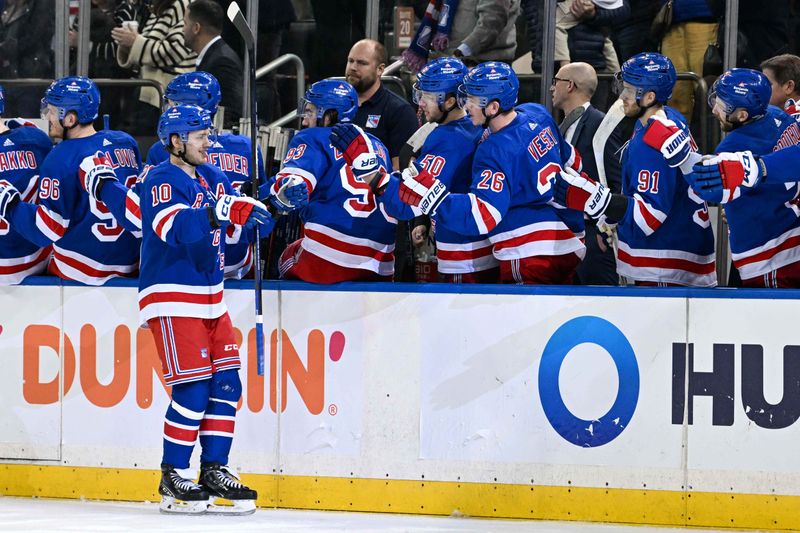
343	222
90	246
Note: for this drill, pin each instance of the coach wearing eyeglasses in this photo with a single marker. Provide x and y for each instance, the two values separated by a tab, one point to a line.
572	89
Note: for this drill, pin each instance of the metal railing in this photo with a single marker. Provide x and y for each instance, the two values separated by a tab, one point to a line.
700	93
101	82
300	71
394	67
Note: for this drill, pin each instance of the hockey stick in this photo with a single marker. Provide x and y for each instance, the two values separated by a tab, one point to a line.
235	16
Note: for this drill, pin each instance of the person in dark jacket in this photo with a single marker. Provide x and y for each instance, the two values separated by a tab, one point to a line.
26	31
573	87
201	33
632	36
587	40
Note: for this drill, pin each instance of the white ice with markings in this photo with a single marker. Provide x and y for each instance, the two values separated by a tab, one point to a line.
30	515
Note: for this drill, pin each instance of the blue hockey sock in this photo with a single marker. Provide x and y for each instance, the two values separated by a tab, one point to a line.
216	429
182	421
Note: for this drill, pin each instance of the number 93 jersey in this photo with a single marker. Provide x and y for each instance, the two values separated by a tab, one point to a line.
343	222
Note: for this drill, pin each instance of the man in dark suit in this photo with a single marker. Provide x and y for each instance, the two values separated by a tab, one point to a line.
201	33
572	88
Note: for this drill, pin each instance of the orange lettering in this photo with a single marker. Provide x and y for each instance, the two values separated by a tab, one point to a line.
97	393
35	338
309	381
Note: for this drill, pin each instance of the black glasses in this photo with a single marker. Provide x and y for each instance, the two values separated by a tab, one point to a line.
557	79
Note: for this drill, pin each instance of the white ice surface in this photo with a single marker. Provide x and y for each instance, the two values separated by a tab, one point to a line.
31	515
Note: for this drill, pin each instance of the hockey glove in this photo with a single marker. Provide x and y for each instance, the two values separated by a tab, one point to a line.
356	147
241	211
581	193
9	197
288	192
94	171
421	189
718	178
14	123
792	108
666	137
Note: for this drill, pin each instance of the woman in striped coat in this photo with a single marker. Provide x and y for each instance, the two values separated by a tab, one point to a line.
158	51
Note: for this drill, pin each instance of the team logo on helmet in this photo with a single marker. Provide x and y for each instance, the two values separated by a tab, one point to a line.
341	90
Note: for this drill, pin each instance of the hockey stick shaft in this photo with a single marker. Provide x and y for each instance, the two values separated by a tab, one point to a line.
238	20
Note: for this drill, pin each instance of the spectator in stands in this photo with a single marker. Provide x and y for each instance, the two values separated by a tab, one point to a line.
484	30
587	41
103	17
201	32
570	13
127	13
26	31
632	35
532	10
572	89
783	73
160	54
380	112
694	27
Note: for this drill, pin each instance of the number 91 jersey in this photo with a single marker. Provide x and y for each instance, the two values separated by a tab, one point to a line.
90	246
343	222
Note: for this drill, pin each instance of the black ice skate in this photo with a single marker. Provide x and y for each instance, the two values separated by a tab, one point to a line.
180	495
221	482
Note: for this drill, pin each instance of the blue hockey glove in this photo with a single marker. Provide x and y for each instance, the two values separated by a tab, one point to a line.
289	192
9	197
718	178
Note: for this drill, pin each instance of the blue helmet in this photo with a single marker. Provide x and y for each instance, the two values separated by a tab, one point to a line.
182	120
195	88
441	76
329	95
490	81
73	93
2	100
647	72
741	88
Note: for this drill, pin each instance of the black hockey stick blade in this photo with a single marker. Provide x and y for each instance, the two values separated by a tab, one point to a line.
235	16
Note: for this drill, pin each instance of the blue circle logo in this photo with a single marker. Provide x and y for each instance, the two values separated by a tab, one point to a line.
593	330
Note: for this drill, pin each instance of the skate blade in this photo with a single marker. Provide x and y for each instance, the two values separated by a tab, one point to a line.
170	505
231	507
